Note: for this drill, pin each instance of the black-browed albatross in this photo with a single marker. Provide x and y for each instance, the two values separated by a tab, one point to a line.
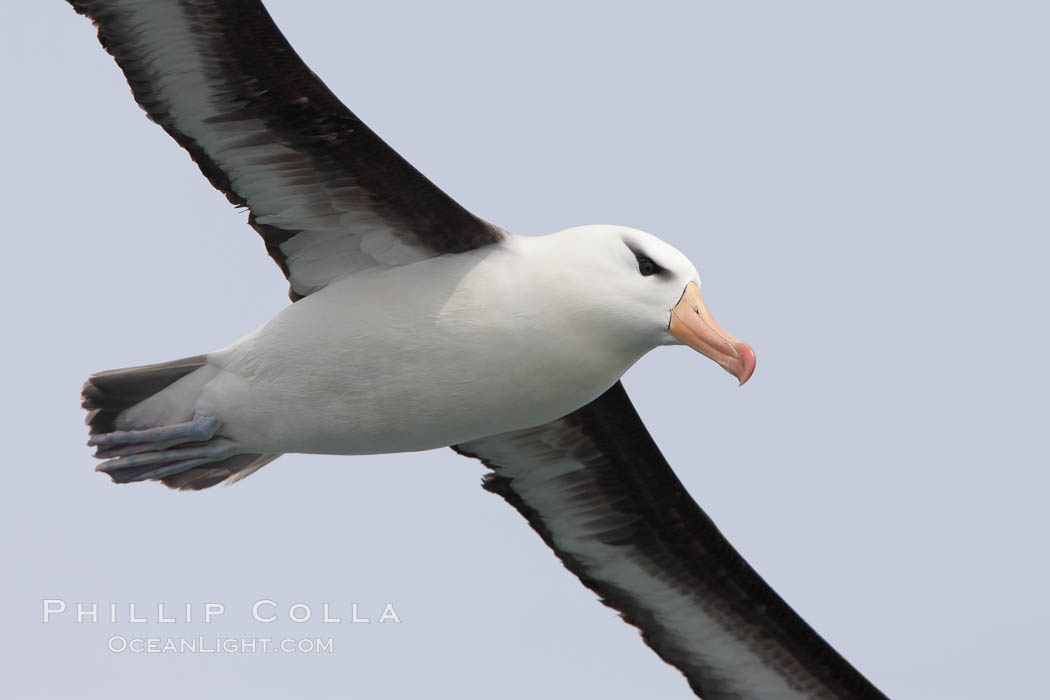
418	325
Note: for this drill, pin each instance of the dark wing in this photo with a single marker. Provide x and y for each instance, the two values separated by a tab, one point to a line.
328	196
597	490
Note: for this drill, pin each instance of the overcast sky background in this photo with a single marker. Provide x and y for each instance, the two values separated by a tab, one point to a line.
863	187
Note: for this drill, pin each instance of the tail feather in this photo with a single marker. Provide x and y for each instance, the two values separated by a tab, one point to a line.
109	396
230	470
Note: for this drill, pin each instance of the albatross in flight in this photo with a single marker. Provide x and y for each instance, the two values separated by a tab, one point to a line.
417	325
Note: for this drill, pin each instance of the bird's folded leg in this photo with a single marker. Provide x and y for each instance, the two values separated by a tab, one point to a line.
125	442
161	463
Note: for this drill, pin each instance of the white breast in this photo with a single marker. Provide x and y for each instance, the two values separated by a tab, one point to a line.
416	357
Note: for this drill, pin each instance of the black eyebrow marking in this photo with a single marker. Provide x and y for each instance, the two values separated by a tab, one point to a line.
640	255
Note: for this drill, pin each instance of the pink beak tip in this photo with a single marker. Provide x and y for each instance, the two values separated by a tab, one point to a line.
747	360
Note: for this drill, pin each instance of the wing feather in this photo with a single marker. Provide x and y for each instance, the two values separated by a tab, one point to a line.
326	194
596	488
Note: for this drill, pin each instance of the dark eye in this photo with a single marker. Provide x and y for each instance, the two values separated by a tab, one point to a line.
646	266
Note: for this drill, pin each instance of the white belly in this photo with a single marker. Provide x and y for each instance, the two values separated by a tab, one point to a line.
409	359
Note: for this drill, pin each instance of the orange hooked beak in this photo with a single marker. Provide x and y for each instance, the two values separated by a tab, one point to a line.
694	325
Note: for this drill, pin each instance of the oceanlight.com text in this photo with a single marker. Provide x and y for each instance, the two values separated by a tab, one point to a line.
120	644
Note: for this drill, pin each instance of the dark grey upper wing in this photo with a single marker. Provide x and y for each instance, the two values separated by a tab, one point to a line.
597	490
328	196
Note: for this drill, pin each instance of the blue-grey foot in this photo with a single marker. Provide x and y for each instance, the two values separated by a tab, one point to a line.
200	429
165	462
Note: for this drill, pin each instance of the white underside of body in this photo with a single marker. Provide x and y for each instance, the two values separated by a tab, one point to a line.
425	355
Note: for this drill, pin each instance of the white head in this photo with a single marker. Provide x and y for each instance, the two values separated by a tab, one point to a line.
643	290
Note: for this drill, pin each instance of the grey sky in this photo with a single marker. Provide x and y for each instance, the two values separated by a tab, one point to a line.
864	191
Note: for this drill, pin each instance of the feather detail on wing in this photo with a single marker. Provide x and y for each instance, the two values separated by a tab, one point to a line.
597	490
326	194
